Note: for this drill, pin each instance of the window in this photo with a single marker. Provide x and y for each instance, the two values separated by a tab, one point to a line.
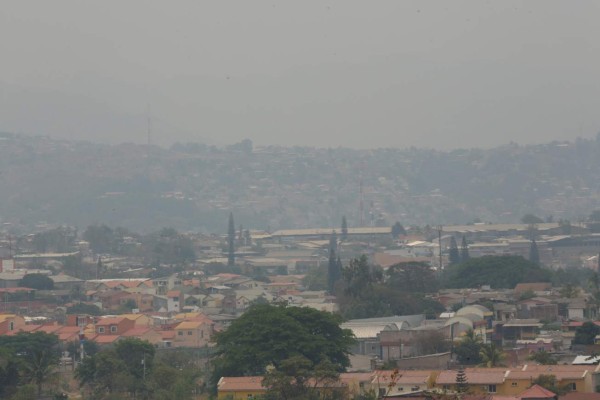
180	333
11	326
491	388
514	384
113	329
382	392
572	386
189	333
100	329
446	387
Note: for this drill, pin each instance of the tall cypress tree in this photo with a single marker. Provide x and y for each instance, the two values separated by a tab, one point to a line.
453	255
332	266
464	250
231	242
534	254
344	228
462	384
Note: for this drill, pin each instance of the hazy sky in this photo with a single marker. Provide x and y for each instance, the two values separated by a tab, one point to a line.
327	73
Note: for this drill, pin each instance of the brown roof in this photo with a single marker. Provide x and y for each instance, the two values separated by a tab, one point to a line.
474	376
110	321
387	260
232	384
534	286
580	396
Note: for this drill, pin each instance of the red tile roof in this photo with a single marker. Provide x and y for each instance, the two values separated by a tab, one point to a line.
537	392
105	339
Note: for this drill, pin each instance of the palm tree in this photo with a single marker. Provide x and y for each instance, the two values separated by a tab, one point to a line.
491	356
39	368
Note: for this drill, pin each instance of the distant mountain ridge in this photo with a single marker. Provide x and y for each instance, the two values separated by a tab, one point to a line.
194	186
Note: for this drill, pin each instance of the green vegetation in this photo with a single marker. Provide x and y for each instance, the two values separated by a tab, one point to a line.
491	356
468	349
132	369
543	357
397	230
266	335
454	254
37	281
344	229
297	378
365	291
27	358
82	308
586	333
549	382
500	272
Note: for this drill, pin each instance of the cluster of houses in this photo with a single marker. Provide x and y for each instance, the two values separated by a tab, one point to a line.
181	330
167	312
577	381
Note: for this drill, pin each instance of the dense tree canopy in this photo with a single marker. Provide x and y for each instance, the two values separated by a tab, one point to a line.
497	271
366	291
37	281
586	333
131	369
27	358
268	334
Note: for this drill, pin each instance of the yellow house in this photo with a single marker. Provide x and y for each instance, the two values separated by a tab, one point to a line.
250	387
578	378
402	382
11	323
513	381
192	334
240	387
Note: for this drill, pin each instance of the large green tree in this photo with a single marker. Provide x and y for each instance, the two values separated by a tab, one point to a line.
498	271
268	334
122	369
586	333
297	378
334	272
491	356
36	355
367	292
37	281
453	253
412	277
468	349
344	229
